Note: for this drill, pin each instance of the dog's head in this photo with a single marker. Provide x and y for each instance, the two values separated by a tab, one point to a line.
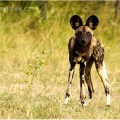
84	33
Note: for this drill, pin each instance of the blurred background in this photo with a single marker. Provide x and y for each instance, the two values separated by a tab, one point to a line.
34	62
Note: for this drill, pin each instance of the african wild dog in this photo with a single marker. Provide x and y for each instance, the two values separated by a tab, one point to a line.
84	49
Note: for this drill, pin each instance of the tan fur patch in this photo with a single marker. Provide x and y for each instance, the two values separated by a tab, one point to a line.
79	29
88	29
72	43
93	41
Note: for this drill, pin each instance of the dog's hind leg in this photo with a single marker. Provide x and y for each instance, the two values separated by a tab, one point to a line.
100	66
70	77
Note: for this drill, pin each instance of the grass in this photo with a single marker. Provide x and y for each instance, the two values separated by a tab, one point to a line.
33	83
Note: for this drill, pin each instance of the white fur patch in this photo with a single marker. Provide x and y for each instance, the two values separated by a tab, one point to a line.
66	100
71	74
105	74
84	104
108	99
83	77
104	70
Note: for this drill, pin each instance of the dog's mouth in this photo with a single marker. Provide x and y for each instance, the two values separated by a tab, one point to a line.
83	42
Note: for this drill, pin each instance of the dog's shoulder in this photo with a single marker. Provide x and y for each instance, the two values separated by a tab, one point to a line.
95	43
72	42
98	48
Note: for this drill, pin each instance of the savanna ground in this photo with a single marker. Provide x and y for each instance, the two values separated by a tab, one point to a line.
34	60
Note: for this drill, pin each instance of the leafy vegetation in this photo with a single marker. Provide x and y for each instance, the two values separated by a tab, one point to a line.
34	59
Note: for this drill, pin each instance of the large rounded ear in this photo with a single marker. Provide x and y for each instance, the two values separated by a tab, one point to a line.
75	21
92	22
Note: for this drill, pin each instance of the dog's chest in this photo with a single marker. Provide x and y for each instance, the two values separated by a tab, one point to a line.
82	53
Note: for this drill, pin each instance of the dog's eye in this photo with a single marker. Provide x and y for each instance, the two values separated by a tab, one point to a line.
88	33
79	33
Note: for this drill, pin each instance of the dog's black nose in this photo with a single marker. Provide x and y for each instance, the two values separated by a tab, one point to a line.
83	41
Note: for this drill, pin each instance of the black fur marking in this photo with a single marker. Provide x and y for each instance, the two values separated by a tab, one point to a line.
67	95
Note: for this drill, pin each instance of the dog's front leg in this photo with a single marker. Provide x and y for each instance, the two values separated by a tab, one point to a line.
70	77
82	83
